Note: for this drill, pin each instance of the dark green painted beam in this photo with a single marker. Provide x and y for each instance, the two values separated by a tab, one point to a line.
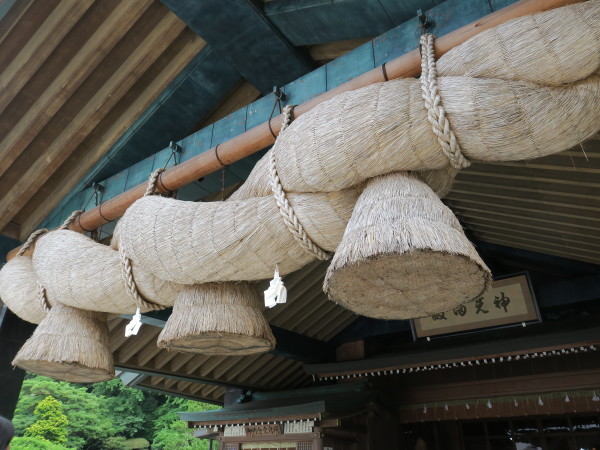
239	32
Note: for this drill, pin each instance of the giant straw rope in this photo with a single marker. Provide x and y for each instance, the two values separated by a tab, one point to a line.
525	89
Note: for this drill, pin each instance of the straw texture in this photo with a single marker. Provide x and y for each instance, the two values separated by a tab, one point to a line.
193	243
404	254
525	89
218	319
69	344
19	289
81	273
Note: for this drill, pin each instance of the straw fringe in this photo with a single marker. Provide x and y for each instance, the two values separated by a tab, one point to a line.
71	345
404	254
218	319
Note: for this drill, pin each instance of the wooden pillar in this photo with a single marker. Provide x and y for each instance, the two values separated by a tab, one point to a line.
13	334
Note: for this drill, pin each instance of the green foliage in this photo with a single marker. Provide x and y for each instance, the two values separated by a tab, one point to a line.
32	443
51	423
107	416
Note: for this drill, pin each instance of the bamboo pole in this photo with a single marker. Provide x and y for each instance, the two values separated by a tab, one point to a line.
259	137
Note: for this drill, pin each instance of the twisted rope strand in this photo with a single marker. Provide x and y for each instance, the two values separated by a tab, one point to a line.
43	298
30	240
285	208
132	290
152	180
433	102
69	220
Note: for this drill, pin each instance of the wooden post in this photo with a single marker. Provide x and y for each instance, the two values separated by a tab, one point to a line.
259	137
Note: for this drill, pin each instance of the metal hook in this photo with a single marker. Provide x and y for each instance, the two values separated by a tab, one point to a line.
279	94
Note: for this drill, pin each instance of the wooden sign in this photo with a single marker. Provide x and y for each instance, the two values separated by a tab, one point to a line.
509	301
263	430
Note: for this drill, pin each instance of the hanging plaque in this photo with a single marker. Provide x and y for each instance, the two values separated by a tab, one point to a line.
509	301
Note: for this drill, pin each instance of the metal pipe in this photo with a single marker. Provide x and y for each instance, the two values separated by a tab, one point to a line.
259	137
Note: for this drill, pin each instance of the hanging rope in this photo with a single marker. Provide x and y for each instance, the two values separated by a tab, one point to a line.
132	290
152	181
43	298
69	220
433	103
285	209
30	240
126	268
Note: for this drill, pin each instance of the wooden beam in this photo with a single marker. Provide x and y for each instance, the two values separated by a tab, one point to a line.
101	139
87	119
64	85
333	50
260	136
39	47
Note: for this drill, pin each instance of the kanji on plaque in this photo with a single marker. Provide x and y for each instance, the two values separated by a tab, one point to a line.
510	300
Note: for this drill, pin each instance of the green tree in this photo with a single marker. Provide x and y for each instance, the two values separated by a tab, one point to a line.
51	423
90	421
32	443
170	432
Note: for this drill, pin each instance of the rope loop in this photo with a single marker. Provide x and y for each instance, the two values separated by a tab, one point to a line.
30	240
132	290
285	208
43	298
152	182
433	102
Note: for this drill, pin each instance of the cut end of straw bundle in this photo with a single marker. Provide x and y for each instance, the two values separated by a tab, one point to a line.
69	344
404	254
218	319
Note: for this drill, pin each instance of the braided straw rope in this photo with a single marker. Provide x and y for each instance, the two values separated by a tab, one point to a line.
126	269
43	298
69	220
30	240
433	103
151	186
285	209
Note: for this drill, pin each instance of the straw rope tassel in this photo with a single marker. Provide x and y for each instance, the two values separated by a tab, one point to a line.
433	103
285	209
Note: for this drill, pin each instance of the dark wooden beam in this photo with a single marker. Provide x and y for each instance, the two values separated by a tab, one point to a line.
246	39
536	338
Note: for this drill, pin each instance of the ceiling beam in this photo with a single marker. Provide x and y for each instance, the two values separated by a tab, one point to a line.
254	46
289	344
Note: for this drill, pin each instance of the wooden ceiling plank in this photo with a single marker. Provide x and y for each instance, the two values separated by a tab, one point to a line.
87	155
541	246
242	95
281	373
39	47
14	19
223	369
209	390
262	363
520	211
196	387
508	226
210	364
195	363
559	174
248	361
146	336
162	359
117	338
155	381
169	382
584	196
76	71
486	210
183	385
315	314
540	249
96	109
575	229
180	360
338	327
522	200
149	352
313	289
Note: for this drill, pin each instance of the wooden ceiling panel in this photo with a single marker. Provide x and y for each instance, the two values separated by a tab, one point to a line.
110	128
70	70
